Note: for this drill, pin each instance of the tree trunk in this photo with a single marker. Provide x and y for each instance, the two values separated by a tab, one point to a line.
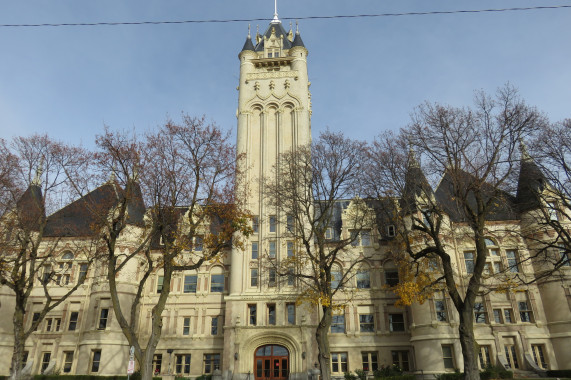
147	365
468	344
19	344
322	338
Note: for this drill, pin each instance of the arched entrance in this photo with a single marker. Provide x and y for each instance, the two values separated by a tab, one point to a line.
271	362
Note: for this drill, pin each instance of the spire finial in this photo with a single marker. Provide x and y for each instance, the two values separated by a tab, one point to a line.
39	170
276	20
296	27
523	149
249	36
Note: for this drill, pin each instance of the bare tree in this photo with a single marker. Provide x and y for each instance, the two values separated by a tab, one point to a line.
472	152
35	174
315	188
186	173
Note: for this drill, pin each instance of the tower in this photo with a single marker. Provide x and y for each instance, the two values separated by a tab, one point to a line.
262	330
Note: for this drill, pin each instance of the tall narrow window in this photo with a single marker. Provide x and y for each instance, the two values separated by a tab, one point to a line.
448	356
57	323
271	314
479	312
336	277
339	362
290	307
338	324
565	257
45	360
391	231
525	313
498	316
290	249
363	279
67	361
190	282
272	278
512	260
370	361
49	323
255	224
186	326
552	211
290	223
103	316
538	356
160	281
508	316
95	360
484	356
83	271
182	364
254	277
469	261
252	315
440	307
157	363
216	283
273	223
198	243
214	326
290	277
366	238
272	249
73	320
35	318
254	250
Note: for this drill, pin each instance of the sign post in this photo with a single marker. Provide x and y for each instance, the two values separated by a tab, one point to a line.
131	366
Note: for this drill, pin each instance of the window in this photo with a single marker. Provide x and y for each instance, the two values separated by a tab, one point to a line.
508	316
497	267
45	361
290	309
391	277
290	277
67	361
538	355
396	322
48	324
366	323
25	359
103	316
440	307
484	355
512	261
272	278
95	360
370	361
564	256
82	271
190	282
525	313
335	278
254	277
469	261
157	363
211	362
363	279
400	359
47	274
289	223
498	316
186	326
73	320
255	224
216	283
182	364
290	249
198	243
479	312
35	318
354	235
273	222
329	233
252	315
214	326
254	250
448	356
391	231
338	362
272	249
366	238
271	314
552	211
338	324
160	281
57	322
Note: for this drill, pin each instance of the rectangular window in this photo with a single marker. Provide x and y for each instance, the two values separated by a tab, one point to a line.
157	363
484	355
271	314
329	233
49	323
391	277
190	282
552	211
366	323
254	277
290	277
370	361
160	281
448	356
290	249
339	362
67	361
95	360
391	232
272	278
538	355
290	307
366	238
508	316
338	324
354	235
335	279
497	267
396	322
525	313
254	250
211	362
35	318
272	249
512	260
273	223
564	257
45	360
73	320
469	262
214	326
57	323
186	326
82	271
216	283
479	312
182	364
363	279
198	243
400	359
252	315
290	223
103	317
255	224
498	316
440	307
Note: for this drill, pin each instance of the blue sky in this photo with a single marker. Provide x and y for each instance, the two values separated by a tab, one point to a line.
367	74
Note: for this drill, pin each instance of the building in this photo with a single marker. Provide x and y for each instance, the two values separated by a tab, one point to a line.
237	316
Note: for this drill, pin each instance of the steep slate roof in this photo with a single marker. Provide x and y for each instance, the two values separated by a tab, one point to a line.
416	185
503	209
531	183
280	31
30	207
297	41
248	45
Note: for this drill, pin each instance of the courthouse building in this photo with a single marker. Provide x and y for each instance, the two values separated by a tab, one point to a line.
239	317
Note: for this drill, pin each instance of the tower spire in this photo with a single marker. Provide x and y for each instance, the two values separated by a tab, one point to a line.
276	20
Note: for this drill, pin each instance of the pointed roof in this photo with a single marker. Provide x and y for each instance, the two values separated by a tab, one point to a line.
280	32
531	183
135	206
297	41
416	185
30	207
248	45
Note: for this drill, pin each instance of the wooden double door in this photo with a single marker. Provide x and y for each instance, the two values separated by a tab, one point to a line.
271	362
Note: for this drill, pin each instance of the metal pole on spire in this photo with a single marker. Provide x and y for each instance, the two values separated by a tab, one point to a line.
276	20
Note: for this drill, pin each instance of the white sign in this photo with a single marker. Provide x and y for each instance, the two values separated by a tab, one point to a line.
131	367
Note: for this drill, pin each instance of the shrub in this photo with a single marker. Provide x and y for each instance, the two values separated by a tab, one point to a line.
388	371
362	375
349	376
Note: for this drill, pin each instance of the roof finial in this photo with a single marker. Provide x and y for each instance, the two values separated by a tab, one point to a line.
296	27
37	181
523	148
276	20
249	36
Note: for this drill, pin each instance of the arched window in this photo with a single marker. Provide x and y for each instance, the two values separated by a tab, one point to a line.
67	256
363	278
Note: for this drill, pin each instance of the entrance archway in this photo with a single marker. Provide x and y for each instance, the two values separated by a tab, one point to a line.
271	362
